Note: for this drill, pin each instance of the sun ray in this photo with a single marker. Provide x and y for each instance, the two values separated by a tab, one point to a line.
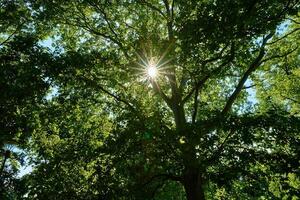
164	63
141	59
152	66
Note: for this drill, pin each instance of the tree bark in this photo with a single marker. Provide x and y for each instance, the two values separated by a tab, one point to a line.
193	185
179	117
192	179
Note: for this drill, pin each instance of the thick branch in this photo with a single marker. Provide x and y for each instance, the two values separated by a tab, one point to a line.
167	7
240	85
172	10
253	66
6	156
169	18
158	90
176	96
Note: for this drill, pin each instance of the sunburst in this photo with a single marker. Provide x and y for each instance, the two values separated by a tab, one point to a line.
152	67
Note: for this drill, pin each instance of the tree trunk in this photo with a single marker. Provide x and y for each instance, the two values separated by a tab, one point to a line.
192	179
193	185
179	117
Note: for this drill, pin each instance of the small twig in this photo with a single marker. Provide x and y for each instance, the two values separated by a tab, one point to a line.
116	97
291	99
280	56
221	147
293	20
248	87
293	31
11	35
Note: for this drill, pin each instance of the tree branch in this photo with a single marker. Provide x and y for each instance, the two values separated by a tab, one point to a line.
8	38
89	28
291	99
248	87
218	57
280	56
196	87
253	66
12	34
296	22
6	156
201	82
167	8
158	90
172	10
195	105
99	9
153	8
221	147
176	96
286	35
114	96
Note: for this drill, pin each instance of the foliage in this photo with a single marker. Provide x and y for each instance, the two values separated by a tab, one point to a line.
23	86
110	131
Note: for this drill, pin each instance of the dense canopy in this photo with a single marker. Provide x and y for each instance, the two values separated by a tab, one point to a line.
150	99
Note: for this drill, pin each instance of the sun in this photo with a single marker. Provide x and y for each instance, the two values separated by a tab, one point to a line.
152	71
152	67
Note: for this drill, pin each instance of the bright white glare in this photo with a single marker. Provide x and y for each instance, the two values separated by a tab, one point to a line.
152	71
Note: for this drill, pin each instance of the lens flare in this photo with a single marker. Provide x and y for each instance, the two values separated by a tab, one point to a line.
152	71
152	67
